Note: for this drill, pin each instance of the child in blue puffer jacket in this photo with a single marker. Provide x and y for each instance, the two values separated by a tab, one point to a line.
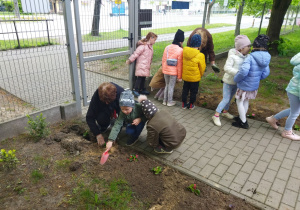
293	92
254	68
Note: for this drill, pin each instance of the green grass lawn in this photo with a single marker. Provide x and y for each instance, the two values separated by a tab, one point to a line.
25	43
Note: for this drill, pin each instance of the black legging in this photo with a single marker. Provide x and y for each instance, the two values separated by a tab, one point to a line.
140	83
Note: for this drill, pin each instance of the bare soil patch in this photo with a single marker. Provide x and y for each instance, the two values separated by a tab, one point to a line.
70	169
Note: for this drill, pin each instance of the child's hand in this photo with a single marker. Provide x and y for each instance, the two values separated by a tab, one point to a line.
136	121
128	62
109	145
179	80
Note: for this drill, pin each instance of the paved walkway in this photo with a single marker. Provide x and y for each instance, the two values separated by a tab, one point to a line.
256	164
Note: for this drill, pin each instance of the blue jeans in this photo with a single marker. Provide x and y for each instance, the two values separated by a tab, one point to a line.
292	113
228	93
135	130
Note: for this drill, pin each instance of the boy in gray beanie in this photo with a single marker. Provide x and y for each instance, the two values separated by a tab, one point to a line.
131	116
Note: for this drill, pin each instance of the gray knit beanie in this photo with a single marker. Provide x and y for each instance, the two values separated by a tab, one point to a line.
126	98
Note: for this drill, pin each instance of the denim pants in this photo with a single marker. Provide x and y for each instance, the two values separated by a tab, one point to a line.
292	112
135	130
228	93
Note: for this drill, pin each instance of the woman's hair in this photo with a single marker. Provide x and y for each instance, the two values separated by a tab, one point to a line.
149	35
107	92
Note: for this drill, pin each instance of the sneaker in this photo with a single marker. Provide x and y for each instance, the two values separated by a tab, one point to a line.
164	103
184	105
272	121
290	135
240	124
237	119
160	99
144	92
191	106
135	93
216	120
215	68
131	141
162	150
227	115
172	103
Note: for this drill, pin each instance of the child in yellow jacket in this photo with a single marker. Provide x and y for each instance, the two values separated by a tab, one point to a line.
193	69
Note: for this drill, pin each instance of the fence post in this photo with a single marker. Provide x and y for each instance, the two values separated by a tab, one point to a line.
287	18
262	17
204	14
296	17
17	34
80	53
72	54
48	32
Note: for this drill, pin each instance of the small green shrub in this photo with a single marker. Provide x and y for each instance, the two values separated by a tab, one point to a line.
283	46
157	170
36	175
37	127
8	159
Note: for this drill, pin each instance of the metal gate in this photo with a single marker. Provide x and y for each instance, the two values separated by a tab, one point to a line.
106	34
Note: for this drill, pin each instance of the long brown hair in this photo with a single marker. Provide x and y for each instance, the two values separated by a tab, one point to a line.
149	35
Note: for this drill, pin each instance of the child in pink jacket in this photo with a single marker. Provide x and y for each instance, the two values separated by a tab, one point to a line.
143	56
172	72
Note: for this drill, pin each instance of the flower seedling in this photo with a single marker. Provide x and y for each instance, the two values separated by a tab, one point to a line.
193	189
296	127
133	158
157	170
8	159
204	104
251	115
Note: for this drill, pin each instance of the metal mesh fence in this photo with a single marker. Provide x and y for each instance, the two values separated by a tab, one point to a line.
108	38
34	65
34	68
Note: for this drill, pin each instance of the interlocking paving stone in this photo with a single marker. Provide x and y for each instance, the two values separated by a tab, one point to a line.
236	160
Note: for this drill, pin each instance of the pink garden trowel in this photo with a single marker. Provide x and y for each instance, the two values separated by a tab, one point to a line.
104	157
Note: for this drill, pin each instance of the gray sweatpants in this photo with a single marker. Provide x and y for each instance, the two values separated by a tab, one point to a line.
169	89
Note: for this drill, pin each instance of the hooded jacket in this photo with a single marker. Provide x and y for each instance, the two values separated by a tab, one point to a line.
174	52
254	68
162	126
143	56
193	65
232	65
294	85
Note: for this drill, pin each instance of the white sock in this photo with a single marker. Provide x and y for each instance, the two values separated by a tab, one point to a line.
241	109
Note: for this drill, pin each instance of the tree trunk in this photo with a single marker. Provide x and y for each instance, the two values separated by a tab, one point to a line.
278	11
96	18
210	5
239	19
